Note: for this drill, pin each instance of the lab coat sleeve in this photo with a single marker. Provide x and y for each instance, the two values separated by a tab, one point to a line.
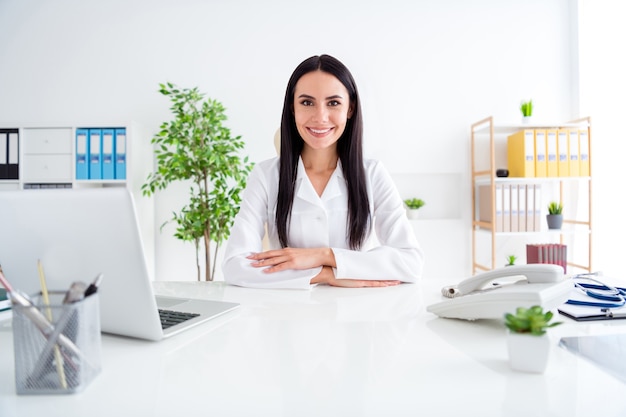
399	256
247	233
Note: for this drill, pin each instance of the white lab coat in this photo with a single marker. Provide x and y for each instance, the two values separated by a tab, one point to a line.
391	253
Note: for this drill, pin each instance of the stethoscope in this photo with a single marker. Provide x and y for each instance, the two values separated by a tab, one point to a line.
610	297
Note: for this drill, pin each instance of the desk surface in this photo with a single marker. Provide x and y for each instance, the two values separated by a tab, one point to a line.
327	352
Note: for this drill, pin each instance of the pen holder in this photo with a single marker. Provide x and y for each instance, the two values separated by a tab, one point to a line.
62	356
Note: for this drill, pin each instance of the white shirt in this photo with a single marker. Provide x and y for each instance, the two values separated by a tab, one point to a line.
390	252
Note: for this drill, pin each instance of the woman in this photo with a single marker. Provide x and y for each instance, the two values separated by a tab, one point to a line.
331	217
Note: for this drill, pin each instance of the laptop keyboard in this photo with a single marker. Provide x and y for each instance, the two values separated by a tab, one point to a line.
170	318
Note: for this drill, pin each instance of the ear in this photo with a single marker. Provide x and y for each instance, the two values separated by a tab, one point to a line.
350	111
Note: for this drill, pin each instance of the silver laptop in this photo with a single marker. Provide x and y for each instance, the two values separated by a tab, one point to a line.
78	234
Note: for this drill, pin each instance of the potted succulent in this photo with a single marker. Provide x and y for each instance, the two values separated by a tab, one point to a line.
527	339
412	206
526	107
196	148
555	215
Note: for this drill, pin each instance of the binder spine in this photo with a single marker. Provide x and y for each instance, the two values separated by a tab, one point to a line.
13	155
108	153
82	154
95	154
120	154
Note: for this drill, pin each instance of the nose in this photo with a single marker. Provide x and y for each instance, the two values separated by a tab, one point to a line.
321	114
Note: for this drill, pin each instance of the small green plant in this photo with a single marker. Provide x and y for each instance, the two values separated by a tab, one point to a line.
555	207
511	259
414	203
526	108
529	320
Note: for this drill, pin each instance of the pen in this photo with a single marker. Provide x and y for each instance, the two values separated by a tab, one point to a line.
93	287
46	300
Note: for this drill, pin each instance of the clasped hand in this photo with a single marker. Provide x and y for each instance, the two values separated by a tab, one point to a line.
305	258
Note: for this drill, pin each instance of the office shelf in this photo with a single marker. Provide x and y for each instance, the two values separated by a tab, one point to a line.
47	159
491	244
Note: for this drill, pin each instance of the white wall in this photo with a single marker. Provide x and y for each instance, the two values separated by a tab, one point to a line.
425	69
602	93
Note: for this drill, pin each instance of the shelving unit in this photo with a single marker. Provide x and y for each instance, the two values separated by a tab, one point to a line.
47	158
488	154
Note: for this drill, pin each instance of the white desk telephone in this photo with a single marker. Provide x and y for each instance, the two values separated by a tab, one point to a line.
491	294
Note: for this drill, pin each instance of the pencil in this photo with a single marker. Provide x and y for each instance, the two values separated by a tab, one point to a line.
46	300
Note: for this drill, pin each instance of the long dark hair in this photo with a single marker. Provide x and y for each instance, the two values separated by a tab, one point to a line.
349	147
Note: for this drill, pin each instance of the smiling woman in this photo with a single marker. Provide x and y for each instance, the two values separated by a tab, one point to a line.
332	217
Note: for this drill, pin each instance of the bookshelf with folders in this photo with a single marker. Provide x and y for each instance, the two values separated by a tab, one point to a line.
544	163
72	156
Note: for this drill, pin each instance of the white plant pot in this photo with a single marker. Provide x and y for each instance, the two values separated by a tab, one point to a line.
527	352
412	213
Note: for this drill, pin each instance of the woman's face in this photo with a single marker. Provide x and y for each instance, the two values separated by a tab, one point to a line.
321	108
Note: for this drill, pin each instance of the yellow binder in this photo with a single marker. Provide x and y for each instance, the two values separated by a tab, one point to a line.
521	153
563	151
574	153
583	146
541	164
552	153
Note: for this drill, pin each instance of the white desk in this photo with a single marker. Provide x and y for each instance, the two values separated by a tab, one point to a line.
327	352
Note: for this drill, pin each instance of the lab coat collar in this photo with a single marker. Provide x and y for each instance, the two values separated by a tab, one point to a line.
305	190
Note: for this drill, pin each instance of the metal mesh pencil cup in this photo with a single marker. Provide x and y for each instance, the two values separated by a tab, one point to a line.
62	358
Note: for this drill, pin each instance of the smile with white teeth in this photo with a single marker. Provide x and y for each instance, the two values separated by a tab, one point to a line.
319	131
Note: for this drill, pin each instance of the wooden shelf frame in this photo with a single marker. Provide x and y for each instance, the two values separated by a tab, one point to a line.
488	176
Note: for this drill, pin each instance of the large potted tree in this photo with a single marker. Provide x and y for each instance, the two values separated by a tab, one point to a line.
196	147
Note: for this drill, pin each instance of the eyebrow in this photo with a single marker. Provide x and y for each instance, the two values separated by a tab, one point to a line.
336	96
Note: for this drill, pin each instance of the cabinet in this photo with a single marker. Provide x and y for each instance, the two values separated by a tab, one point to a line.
500	227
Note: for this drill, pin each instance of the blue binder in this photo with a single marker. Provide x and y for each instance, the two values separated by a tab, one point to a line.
108	163
120	154
95	154
82	152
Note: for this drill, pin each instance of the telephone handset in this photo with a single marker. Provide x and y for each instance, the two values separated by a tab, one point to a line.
493	293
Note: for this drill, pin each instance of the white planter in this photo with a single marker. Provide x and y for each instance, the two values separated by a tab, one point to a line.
412	213
527	352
